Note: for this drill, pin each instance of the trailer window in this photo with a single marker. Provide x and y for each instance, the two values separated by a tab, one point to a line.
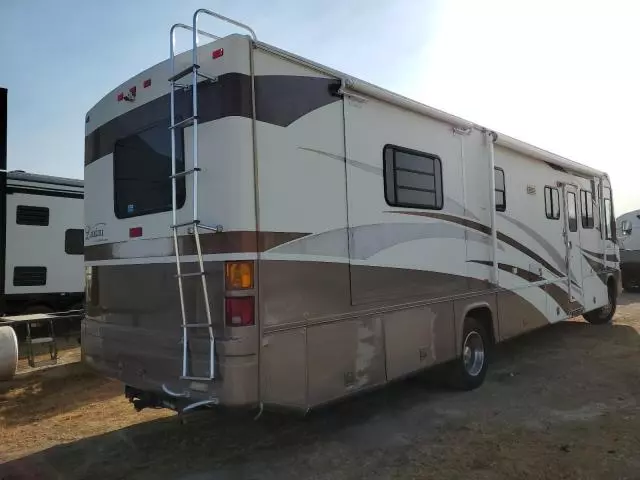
586	207
571	212
501	190
552	203
29	276
28	215
74	241
412	179
142	170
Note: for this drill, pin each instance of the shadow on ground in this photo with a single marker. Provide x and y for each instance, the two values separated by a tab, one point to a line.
232	445
34	397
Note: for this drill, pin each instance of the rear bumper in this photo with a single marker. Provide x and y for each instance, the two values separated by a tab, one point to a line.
149	362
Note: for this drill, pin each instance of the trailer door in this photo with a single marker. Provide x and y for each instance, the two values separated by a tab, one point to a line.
572	242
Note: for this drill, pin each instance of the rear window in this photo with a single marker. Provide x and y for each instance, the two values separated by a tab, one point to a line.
142	171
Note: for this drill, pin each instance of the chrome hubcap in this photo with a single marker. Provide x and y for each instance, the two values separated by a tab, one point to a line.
473	354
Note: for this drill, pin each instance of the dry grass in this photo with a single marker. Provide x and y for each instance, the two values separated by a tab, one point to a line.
560	403
45	410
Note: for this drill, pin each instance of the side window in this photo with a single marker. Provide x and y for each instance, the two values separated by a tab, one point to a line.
28	215
74	241
29	276
586	207
501	190
552	203
607	219
411	178
571	212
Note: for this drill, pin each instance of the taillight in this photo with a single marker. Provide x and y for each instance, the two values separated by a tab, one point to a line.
239	311
217	53
238	275
135	232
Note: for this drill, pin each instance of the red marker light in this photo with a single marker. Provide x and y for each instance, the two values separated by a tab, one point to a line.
147	83
239	311
135	232
120	96
133	90
217	53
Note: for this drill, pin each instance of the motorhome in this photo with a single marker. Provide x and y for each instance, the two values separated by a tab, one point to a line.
265	231
629	235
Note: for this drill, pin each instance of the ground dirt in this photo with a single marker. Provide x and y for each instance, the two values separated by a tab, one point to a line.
559	403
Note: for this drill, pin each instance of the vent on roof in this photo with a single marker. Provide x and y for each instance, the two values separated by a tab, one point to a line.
29	276
28	215
531	189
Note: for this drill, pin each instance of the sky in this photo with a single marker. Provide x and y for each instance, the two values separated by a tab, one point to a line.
560	74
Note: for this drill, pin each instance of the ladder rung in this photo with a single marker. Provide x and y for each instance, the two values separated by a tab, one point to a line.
186	224
184	73
207	227
192	274
204	75
186	172
196	325
189	377
187	121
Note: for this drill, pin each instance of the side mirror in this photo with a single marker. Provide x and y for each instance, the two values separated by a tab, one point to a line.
625	227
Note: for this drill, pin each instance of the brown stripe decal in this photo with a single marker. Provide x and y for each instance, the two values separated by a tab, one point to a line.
552	289
280	100
224	242
486	230
612	257
520	272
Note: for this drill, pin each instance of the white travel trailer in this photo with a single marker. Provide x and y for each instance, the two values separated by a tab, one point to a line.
41	250
41	245
629	235
319	236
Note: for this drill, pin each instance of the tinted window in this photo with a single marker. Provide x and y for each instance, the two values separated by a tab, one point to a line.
571	212
28	215
552	203
74	241
29	276
142	171
501	190
412	179
586	208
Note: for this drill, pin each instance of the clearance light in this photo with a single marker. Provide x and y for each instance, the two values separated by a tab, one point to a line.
120	96
217	53
132	90
147	83
238	275
135	232
239	312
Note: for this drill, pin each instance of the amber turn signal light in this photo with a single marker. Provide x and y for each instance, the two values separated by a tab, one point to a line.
238	275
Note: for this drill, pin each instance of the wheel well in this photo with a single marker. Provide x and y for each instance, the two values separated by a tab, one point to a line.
485	317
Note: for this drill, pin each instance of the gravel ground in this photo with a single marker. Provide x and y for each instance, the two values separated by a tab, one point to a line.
559	403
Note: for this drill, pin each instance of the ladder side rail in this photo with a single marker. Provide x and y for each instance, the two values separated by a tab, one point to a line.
207	306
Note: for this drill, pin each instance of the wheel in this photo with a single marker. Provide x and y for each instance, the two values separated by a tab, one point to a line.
605	313
470	368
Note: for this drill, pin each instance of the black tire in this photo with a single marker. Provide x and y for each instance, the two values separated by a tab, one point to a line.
604	315
470	368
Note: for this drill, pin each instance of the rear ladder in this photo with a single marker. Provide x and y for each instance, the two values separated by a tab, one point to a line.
194	225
